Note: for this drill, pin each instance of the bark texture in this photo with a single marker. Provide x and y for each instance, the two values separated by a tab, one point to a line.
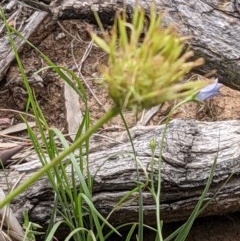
7	56
190	148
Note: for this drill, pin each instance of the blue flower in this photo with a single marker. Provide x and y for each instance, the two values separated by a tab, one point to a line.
209	91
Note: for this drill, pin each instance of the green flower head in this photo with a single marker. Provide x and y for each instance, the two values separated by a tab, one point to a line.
144	69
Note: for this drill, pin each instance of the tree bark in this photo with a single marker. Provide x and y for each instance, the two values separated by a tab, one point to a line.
7	56
190	148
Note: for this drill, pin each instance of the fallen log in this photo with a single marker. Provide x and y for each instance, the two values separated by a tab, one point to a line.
190	148
213	25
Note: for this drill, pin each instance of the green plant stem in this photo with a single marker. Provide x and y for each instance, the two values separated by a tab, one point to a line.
139	185
158	192
109	115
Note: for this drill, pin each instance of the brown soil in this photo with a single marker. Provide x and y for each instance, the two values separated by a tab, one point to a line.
62	49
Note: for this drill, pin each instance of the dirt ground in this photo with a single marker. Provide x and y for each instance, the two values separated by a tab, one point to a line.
65	44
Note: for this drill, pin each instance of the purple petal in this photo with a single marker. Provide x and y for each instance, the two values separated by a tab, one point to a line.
209	91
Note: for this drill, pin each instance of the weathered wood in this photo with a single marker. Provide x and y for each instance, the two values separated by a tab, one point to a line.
6	54
189	151
213	25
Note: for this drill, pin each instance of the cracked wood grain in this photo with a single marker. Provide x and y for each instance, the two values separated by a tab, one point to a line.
189	151
6	54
